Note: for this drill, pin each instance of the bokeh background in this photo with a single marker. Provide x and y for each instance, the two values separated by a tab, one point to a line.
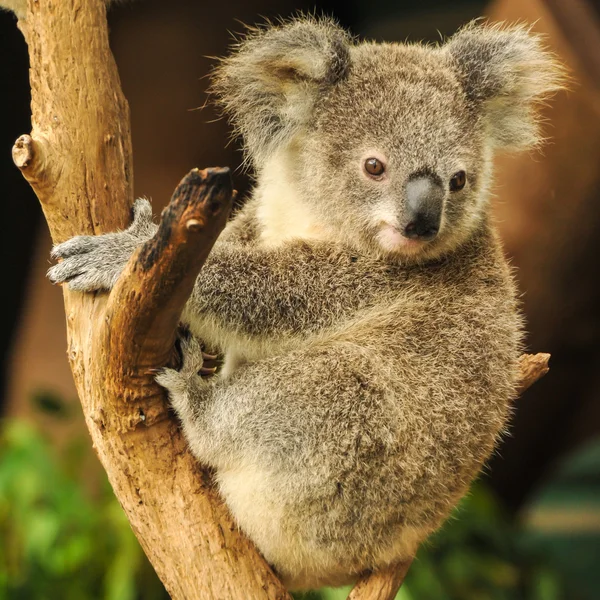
530	529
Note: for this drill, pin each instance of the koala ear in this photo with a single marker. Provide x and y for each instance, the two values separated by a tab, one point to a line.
270	84
508	72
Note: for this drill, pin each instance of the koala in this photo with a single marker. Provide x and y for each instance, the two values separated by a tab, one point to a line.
367	315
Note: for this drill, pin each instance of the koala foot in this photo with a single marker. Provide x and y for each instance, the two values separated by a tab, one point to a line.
90	263
183	385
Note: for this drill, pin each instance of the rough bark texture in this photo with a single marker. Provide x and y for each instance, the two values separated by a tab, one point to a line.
78	161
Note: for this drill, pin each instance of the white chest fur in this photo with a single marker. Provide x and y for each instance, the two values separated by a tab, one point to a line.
282	213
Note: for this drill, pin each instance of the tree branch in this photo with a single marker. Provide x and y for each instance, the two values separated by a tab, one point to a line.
145	306
384	584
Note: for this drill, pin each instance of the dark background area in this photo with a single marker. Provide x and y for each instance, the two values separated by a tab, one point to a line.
547	204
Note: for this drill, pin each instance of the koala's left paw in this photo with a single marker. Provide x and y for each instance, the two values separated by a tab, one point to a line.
90	263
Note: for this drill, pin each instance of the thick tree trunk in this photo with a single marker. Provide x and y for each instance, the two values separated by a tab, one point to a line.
78	161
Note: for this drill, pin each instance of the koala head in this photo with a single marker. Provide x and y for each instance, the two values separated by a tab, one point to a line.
388	147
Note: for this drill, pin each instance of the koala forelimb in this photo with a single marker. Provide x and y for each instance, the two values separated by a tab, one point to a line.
368	317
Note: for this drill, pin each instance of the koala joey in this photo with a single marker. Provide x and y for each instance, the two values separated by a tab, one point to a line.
367	315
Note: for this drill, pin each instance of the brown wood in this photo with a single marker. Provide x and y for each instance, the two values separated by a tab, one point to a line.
384	584
532	368
381	585
78	161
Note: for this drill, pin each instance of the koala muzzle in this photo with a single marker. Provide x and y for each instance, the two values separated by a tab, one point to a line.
423	209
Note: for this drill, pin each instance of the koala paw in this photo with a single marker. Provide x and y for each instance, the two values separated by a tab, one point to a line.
183	385
90	263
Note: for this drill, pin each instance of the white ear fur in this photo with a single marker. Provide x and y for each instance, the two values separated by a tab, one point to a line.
508	72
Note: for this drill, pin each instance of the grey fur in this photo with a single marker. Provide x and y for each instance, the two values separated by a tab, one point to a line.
366	379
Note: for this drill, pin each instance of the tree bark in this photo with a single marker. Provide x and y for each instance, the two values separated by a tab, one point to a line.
78	161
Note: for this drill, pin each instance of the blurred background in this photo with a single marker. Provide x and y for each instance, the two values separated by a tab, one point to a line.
530	529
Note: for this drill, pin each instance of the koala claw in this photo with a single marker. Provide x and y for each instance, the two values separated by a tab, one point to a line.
89	263
142	216
193	357
192	365
142	210
77	245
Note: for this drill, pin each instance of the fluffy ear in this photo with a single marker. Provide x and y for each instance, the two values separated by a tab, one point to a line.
270	84
508	72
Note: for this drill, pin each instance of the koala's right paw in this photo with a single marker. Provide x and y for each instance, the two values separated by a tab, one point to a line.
90	263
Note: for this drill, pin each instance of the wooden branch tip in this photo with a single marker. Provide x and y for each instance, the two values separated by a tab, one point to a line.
200	197
532	368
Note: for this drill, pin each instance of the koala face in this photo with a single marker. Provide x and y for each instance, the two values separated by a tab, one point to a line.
387	146
407	170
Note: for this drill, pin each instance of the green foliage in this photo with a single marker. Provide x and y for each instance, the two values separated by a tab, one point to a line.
58	541
479	555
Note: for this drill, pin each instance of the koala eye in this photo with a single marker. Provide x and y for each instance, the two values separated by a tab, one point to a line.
457	182
374	167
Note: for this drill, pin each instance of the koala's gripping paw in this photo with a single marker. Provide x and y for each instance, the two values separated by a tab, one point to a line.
90	263
183	385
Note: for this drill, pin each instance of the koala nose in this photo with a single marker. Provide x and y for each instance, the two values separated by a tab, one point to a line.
423	209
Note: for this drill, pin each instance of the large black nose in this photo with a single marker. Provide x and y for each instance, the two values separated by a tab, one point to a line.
423	208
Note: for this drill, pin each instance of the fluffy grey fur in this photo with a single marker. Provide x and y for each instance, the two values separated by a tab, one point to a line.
367	376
